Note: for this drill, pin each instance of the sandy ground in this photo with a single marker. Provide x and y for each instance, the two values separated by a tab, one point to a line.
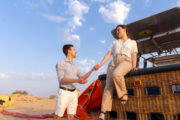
30	104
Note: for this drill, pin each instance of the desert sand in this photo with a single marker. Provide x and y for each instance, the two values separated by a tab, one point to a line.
30	104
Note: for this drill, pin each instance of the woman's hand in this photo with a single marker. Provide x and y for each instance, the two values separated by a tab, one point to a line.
135	68
105	59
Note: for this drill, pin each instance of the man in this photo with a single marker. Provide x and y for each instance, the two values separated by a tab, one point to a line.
68	75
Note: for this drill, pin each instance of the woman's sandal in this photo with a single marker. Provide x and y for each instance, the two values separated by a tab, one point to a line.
101	118
123	100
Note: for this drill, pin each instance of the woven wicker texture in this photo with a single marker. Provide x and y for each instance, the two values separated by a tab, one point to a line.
142	104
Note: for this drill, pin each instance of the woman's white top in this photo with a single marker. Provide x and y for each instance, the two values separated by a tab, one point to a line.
126	48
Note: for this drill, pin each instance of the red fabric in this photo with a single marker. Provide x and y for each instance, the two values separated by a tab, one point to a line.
86	95
21	115
96	97
82	114
91	98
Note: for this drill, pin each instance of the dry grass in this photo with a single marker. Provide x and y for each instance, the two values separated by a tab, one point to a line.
20	92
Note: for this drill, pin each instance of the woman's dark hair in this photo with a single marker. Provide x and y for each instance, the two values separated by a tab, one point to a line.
66	48
114	34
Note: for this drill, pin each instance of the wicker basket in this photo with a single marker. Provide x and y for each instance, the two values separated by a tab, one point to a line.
145	106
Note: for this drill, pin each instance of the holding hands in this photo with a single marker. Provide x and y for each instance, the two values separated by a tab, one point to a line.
96	67
82	79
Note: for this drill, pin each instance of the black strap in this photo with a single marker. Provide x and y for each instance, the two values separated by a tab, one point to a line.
71	90
103	112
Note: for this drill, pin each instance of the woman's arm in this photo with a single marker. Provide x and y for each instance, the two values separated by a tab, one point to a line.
105	59
134	60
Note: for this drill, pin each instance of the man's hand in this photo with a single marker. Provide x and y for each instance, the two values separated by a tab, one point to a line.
82	81
96	67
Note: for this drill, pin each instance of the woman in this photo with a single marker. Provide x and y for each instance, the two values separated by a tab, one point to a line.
124	52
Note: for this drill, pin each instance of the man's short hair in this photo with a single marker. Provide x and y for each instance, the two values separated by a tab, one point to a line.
66	48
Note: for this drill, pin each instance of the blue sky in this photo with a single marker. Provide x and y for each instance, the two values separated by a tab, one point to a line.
32	33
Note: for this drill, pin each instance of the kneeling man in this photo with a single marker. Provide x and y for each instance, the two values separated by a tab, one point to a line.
68	75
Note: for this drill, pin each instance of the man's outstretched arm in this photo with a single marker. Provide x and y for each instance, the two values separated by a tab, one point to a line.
69	80
88	74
